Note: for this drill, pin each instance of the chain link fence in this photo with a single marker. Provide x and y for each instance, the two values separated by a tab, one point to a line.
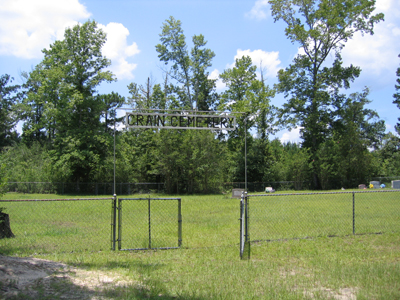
85	188
149	223
92	224
107	188
304	215
58	225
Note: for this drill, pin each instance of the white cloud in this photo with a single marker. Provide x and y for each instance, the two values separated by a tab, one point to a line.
219	84
292	136
258	10
267	61
377	54
117	49
28	26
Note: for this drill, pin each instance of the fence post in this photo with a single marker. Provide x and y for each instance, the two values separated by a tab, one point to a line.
241	225
354	214
246	235
179	223
244	227
119	223
246	219
149	224
114	222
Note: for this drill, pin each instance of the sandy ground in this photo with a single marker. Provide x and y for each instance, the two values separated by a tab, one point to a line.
33	278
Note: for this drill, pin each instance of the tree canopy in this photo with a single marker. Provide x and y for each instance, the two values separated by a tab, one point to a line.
312	87
68	130
10	95
63	109
188	69
397	97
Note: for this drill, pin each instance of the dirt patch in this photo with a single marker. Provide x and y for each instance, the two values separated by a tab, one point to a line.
342	294
33	278
326	293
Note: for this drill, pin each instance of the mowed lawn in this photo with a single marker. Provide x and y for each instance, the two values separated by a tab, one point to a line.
207	266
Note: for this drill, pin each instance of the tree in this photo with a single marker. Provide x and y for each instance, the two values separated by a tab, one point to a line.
9	98
28	164
246	94
397	97
353	117
3	179
345	159
290	165
189	69
148	96
65	110
110	102
389	155
238	81
321	27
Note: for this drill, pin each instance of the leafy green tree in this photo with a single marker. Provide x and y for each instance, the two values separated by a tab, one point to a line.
389	155
3	181
320	27
360	130
345	159
110	102
291	164
188	69
276	149
397	97
238	81
190	161
328	158
246	94
351	115
65	109
148	96
28	163
10	95
137	156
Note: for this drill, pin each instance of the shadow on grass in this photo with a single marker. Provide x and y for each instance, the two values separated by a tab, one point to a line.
148	288
85	284
46	289
9	250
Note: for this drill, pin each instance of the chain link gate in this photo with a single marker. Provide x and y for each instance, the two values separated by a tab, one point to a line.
148	223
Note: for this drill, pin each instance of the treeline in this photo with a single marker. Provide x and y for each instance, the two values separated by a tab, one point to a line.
69	129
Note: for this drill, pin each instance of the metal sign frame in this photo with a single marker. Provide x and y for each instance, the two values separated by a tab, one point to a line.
187	119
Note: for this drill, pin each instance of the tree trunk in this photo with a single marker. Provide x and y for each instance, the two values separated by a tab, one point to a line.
5	229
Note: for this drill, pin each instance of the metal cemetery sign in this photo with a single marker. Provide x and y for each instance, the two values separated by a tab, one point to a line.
180	120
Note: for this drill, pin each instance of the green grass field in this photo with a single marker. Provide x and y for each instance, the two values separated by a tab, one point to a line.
361	266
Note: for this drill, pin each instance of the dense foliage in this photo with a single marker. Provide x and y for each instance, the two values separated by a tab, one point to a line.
69	128
313	88
397	97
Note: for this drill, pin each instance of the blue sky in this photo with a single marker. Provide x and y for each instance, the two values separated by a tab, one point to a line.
232	28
